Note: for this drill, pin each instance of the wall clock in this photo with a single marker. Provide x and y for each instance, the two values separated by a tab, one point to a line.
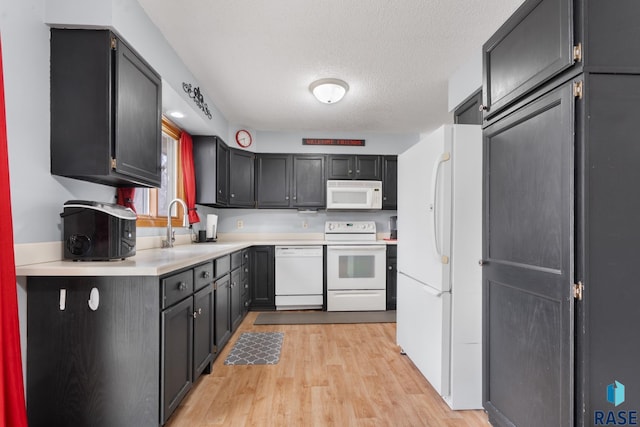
243	138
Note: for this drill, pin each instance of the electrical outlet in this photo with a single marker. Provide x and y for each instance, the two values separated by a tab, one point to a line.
239	224
305	224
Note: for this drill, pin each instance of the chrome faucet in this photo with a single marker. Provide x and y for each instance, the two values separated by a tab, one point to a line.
170	232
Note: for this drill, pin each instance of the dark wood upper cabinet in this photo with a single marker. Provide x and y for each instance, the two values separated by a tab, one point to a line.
365	167
390	182
309	183
469	113
532	46
241	178
273	180
105	110
210	161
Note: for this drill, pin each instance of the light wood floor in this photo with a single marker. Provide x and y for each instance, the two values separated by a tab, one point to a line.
328	375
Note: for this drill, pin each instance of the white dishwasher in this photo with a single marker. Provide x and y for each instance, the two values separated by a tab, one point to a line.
299	277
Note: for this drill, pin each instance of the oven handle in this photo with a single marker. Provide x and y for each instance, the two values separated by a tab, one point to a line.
358	248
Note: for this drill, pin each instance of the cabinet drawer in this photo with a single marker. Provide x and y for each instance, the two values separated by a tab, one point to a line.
223	265
533	46
176	287
203	275
236	259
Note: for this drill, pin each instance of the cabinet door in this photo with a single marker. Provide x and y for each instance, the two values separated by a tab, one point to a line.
93	368
392	277
222	173
262	271
469	113
177	356
138	128
203	312
309	184
368	168
340	166
205	161
222	315
528	257
390	182
535	44
273	177
236	298
241	180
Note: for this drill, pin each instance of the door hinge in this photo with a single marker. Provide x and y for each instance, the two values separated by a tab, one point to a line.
578	90
578	290
113	163
114	43
577	52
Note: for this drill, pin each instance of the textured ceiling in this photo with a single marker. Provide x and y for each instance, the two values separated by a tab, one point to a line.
255	59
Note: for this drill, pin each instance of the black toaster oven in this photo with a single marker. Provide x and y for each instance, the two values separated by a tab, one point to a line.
96	231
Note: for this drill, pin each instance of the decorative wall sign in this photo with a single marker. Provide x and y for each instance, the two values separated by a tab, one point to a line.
344	142
195	94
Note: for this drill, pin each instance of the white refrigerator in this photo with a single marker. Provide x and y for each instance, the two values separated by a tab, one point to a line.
439	300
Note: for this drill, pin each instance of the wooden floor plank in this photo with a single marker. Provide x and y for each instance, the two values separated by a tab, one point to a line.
328	375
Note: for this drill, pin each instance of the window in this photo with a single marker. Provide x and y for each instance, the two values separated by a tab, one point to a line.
151	203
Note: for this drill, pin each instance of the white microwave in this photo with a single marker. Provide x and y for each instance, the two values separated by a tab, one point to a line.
354	194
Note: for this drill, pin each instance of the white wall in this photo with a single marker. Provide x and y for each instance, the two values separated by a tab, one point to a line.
466	80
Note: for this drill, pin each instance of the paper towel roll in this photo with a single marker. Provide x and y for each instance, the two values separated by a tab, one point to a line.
212	225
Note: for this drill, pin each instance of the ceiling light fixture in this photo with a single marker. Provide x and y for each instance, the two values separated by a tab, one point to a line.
329	91
177	114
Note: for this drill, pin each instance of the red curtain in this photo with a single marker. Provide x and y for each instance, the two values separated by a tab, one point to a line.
12	406
188	176
125	197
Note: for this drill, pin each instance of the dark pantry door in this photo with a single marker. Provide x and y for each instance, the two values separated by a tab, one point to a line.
529	264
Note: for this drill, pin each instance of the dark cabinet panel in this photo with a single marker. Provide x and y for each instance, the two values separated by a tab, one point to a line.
469	112
528	162
224	176
203	321
236	298
273	180
340	166
222	173
177	356
241	179
112	137
535	44
364	167
368	167
262	271
79	367
390	182
210	159
309	184
392	276
222	314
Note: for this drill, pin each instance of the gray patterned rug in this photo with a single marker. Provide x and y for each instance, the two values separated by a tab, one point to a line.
256	348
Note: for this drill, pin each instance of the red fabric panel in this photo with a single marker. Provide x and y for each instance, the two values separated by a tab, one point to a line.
125	197
188	176
12	407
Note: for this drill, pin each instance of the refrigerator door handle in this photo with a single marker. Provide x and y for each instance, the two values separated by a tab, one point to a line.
434	188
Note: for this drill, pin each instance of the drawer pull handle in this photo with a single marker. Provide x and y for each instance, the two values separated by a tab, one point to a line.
206	274
182	286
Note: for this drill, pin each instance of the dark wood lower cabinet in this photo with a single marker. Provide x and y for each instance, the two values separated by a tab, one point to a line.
222	316
262	281
177	355
93	368
392	276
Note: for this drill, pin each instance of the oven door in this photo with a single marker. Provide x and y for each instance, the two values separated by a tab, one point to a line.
352	267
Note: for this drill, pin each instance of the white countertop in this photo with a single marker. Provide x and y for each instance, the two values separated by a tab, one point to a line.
156	261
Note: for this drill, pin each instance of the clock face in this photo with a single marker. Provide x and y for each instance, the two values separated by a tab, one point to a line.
243	138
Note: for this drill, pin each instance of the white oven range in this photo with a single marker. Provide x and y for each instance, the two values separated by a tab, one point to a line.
356	267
